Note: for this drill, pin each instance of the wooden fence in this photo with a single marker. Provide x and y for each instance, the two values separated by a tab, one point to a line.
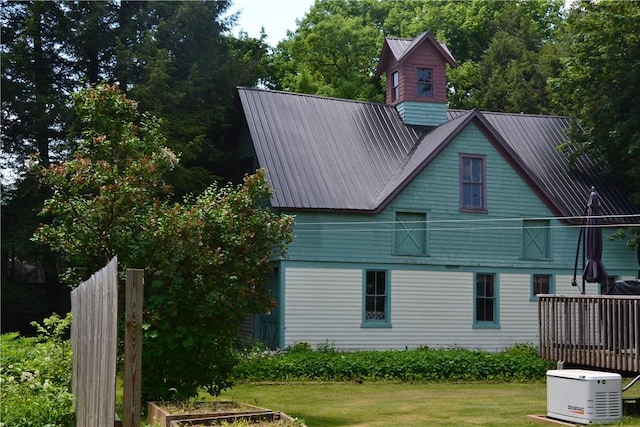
94	335
597	331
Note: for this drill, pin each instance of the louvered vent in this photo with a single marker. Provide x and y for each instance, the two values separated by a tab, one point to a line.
608	404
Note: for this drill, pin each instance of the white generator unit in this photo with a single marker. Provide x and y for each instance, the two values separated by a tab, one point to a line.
584	397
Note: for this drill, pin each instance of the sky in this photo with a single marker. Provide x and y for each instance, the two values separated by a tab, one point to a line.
277	16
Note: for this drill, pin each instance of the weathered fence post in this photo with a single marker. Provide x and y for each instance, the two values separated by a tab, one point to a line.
133	348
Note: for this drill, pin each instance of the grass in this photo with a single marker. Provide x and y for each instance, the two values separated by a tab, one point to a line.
402	404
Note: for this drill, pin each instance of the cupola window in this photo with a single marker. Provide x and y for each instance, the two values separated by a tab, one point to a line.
395	88
425	87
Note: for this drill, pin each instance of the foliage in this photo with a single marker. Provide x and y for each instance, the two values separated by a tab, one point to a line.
206	258
598	83
332	53
518	363
209	269
101	197
505	50
178	59
35	377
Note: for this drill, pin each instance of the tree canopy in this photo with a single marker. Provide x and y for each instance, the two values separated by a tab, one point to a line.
177	59
180	62
206	258
598	83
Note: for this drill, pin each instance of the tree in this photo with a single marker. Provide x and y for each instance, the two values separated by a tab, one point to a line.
35	84
597	85
206	259
176	58
505	49
192	67
332	53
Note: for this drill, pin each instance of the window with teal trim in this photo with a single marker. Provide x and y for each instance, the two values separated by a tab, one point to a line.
486	301
536	239
410	235
541	284
376	298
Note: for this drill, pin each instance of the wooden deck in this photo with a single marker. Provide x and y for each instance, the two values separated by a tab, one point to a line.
596	331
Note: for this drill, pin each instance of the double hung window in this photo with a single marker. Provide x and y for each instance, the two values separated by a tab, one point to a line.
486	301
472	183
376	299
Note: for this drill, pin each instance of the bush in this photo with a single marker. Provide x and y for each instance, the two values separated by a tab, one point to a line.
518	363
35	377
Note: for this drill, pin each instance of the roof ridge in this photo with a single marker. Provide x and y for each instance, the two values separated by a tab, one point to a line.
310	95
501	113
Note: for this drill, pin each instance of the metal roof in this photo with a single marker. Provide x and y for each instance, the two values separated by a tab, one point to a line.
325	153
336	154
401	47
535	140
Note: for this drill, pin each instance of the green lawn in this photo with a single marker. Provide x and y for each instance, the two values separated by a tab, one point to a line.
401	404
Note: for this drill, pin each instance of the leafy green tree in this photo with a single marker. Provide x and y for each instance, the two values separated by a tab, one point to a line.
207	258
35	84
101	197
598	85
332	53
176	58
505	49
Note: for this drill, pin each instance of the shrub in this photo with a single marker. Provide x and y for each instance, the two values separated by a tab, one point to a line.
402	365
35	377
207	258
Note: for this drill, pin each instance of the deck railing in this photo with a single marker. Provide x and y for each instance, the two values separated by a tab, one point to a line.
597	331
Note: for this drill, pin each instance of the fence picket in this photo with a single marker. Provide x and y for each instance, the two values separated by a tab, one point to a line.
94	333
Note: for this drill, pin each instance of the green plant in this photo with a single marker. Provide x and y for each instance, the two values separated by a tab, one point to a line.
35	377
326	347
298	347
328	364
206	258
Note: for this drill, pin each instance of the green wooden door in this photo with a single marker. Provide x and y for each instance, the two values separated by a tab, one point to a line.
268	327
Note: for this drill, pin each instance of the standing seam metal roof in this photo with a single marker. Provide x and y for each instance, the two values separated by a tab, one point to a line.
334	154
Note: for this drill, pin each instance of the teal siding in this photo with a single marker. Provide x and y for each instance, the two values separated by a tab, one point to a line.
422	113
454	239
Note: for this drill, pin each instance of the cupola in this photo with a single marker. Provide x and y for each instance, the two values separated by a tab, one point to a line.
416	80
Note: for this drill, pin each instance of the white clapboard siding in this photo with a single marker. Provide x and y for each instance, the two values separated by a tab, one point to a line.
428	308
321	304
518	312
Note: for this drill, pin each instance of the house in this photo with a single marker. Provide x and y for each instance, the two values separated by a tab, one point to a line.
416	225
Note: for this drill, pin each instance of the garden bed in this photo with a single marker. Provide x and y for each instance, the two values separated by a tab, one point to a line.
163	413
271	419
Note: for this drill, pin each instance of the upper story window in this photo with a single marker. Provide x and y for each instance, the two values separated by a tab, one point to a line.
395	87
472	183
425	86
